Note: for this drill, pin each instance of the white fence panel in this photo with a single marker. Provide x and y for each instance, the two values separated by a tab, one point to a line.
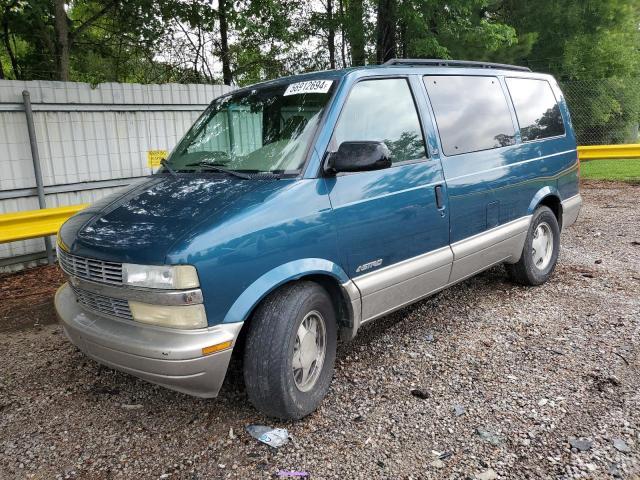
89	139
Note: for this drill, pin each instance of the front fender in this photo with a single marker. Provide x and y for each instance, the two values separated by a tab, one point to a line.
546	191
271	280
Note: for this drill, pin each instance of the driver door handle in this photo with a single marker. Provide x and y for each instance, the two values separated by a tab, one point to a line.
439	200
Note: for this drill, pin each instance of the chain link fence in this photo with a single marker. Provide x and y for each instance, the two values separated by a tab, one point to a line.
604	111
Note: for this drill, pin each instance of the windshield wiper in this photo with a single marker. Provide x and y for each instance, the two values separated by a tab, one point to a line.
268	175
247	174
207	163
218	168
166	165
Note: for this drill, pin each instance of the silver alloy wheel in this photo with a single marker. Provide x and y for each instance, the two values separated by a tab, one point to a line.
309	351
542	246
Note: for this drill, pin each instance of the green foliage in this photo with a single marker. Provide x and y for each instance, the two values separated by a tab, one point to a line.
137	39
577	39
452	29
107	38
604	110
270	35
591	46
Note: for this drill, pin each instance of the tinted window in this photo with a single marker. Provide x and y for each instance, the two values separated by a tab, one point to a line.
383	110
536	108
471	112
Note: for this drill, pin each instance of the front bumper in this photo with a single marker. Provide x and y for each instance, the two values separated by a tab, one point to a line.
169	357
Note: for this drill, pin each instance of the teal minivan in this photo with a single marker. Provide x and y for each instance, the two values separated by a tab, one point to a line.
296	210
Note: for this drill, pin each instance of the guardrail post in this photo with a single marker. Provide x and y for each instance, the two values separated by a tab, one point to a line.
35	156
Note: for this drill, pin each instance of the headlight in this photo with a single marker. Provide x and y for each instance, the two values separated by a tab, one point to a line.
187	316
175	277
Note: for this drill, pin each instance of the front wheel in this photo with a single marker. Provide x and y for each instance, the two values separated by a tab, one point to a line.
290	351
541	249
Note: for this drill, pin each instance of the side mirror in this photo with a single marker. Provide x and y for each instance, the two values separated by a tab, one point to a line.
359	156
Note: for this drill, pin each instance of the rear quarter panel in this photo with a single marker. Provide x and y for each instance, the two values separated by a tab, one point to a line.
569	179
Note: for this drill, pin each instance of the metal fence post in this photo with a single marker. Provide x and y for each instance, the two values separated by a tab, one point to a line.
35	156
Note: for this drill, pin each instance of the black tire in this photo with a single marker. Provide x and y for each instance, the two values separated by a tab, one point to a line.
525	271
269	349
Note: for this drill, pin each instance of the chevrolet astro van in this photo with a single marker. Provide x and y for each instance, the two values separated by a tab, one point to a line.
297	210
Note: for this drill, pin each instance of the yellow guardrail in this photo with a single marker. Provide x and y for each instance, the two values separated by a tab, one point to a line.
34	223
597	152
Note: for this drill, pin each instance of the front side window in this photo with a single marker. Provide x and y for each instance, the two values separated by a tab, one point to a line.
536	108
471	112
266	129
382	111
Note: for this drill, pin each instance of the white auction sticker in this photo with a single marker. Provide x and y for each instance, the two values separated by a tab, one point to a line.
312	86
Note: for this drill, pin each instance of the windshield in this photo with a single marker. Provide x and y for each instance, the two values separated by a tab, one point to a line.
264	130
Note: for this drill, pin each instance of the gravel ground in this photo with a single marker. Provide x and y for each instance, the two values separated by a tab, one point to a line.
506	380
26	298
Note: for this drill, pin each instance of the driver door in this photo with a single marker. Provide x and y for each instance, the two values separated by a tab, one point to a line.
392	224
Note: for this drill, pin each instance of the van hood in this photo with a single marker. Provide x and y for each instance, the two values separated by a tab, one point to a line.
141	224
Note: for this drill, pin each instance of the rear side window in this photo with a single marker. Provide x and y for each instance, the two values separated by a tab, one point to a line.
472	113
536	108
383	111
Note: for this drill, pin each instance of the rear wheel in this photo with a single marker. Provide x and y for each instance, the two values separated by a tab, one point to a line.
290	351
540	252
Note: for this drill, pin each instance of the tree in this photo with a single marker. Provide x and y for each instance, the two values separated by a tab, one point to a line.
224	9
62	39
386	31
439	29
592	47
463	29
331	40
278	37
577	39
355	31
48	38
245	41
66	32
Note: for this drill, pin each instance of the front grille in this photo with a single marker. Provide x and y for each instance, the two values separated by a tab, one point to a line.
115	307
90	268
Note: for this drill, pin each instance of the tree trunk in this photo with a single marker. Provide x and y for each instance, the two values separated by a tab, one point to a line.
355	32
331	35
342	39
7	43
224	41
62	41
403	39
386	31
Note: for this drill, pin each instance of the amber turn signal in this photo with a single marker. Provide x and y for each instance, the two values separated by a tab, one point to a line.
216	348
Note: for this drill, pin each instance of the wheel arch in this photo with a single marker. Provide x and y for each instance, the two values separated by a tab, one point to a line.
329	275
549	197
343	297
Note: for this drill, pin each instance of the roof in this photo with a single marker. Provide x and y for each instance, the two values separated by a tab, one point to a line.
434	62
393	63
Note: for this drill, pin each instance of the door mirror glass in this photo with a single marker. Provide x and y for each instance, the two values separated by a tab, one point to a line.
358	157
